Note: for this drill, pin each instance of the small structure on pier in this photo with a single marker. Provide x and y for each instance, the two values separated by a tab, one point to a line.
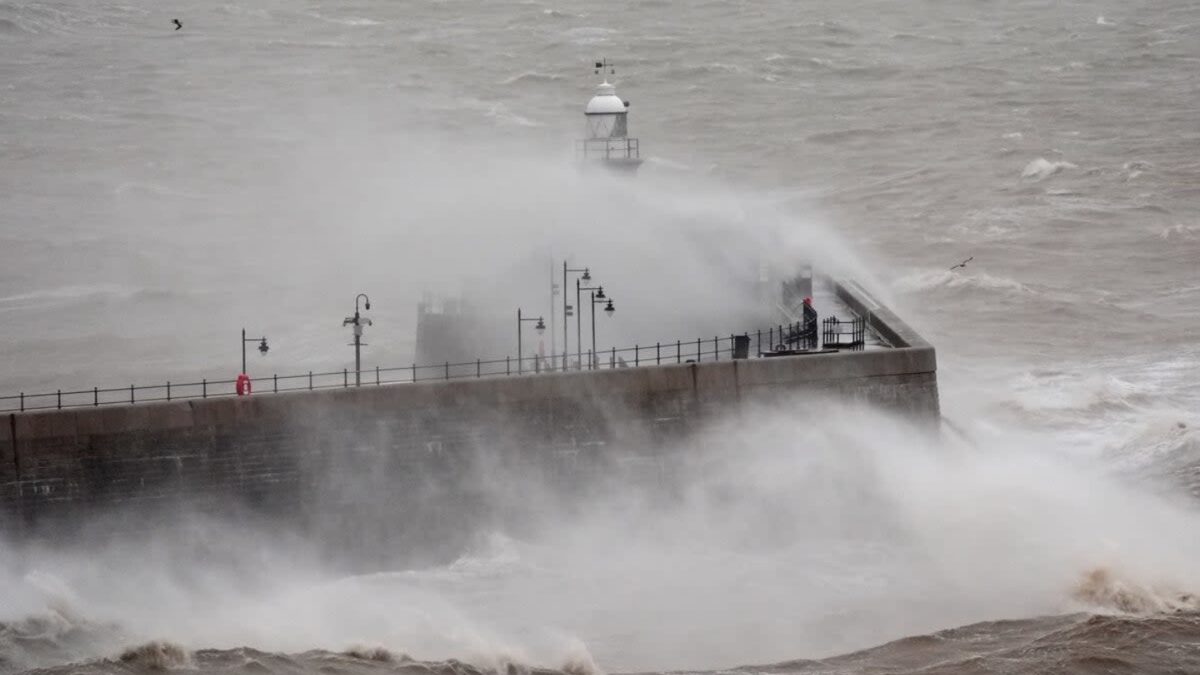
607	142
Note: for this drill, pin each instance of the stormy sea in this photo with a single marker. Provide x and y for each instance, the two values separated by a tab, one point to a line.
1020	181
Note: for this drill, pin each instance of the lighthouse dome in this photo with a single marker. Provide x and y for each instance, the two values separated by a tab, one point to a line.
605	101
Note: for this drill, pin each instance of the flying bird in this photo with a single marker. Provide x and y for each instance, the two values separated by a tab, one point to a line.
962	264
177	23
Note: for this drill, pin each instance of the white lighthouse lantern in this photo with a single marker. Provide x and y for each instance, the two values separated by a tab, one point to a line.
606	138
606	114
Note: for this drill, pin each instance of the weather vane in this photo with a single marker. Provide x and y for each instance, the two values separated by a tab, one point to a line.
604	64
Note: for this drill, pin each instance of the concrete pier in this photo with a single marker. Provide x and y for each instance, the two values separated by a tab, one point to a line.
273	455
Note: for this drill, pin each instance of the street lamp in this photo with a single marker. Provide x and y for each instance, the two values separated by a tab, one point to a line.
579	319
599	299
358	322
262	347
540	328
567	309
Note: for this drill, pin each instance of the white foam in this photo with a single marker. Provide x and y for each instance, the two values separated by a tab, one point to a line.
1042	168
957	279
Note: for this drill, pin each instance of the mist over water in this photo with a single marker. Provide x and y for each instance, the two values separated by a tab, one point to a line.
163	189
776	537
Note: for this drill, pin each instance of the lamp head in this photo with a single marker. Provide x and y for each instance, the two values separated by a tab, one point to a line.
587	276
609	309
368	304
600	293
262	347
540	327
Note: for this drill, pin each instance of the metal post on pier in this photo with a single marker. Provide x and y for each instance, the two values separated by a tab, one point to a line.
358	322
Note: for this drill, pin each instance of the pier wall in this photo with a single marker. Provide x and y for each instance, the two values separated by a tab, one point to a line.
323	459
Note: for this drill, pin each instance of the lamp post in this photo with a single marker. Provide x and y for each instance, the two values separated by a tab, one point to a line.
599	299
358	321
540	328
579	319
587	277
262	347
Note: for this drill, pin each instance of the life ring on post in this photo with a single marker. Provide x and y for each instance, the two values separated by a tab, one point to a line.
243	384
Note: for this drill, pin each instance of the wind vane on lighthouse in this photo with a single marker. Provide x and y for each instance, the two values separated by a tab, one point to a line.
607	141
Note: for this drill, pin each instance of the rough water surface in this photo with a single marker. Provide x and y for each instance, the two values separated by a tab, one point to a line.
163	189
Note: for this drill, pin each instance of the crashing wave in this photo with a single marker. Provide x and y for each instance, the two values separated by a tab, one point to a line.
1041	168
1102	589
945	279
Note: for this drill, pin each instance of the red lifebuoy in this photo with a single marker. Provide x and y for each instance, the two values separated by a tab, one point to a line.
243	384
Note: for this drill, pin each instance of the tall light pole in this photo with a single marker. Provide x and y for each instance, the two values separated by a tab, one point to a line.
599	299
587	276
554	290
262	347
579	319
358	321
540	328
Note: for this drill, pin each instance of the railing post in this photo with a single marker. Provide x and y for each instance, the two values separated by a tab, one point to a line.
310	380
657	354
731	345
507	365
636	354
275	383
612	360
716	349
345	378
168	390
447	370
477	369
60	399
376	376
678	353
22	401
699	356
759	332
414	371
204	388
591	360
96	396
131	396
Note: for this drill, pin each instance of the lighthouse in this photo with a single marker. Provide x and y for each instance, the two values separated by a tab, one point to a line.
607	141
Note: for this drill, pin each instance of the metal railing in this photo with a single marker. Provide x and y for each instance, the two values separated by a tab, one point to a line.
838	334
607	148
776	340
